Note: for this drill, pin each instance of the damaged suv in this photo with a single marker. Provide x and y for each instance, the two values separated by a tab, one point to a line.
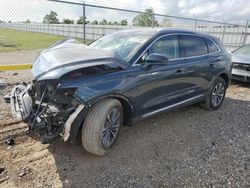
118	80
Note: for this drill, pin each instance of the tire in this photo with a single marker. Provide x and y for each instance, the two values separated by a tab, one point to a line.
210	104
97	126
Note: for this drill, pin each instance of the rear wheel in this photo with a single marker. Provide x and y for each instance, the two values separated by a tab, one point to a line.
216	95
101	126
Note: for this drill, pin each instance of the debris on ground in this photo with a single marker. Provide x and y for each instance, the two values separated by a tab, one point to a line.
2	169
23	172
2	84
10	141
7	98
4	179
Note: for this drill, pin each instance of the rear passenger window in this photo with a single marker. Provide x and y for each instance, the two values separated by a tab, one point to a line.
192	46
211	46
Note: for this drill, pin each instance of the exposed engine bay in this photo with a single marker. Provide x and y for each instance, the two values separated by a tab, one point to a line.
44	107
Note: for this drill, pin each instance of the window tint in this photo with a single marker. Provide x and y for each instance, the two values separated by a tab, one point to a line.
211	46
192	46
167	46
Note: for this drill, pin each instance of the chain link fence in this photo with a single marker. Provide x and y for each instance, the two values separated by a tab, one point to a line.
32	26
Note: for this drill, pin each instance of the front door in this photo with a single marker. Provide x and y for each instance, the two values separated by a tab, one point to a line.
162	84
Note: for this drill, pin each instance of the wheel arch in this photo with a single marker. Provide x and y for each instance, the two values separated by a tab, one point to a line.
128	113
128	107
225	77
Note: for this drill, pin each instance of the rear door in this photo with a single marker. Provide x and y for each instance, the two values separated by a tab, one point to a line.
197	61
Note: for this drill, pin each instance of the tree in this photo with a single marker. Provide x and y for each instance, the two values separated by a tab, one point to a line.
103	22
145	19
124	22
81	20
68	21
27	21
95	22
51	18
166	22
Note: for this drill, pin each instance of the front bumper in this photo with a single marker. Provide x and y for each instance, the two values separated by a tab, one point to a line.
241	75
21	102
47	120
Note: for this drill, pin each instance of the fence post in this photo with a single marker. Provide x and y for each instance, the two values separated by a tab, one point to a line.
245	34
195	24
84	27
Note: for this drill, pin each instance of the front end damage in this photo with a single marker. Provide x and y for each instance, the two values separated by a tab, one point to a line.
48	105
48	109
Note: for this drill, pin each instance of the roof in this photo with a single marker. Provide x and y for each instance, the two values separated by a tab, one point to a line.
156	31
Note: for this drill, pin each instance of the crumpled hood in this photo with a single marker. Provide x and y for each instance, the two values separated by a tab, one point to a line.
69	55
240	58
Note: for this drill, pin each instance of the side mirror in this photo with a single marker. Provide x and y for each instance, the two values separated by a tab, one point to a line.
156	58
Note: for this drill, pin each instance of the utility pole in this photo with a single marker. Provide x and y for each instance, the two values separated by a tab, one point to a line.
245	33
84	20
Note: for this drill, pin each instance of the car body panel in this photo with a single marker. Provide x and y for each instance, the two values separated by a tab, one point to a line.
70	55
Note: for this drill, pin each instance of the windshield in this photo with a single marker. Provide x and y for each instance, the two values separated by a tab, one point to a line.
124	44
243	50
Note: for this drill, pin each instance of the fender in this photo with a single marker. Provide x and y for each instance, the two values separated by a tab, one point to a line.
218	74
112	95
78	121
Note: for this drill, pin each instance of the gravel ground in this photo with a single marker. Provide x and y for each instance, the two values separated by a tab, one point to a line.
189	147
24	56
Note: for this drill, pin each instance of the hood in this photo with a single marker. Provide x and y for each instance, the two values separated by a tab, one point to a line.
240	58
69	55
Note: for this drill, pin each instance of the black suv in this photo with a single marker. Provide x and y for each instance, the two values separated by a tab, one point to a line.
118	80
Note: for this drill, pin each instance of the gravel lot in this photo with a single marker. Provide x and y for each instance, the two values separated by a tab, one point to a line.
18	57
189	147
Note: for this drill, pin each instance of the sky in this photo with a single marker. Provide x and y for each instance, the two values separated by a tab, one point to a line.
232	11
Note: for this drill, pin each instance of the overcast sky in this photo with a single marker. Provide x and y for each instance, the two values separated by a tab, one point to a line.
233	11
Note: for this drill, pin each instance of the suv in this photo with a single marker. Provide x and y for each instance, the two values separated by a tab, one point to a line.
118	80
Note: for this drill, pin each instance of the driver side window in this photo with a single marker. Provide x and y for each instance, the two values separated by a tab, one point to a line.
167	46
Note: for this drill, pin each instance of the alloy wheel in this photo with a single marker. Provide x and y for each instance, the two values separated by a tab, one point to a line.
111	127
218	94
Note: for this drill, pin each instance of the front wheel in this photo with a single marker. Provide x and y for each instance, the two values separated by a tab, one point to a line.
216	95
101	126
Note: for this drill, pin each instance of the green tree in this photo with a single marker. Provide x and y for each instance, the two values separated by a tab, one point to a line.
81	20
95	22
145	19
103	22
51	18
27	21
124	22
166	22
68	21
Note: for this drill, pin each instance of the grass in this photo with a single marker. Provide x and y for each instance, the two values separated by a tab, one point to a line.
15	40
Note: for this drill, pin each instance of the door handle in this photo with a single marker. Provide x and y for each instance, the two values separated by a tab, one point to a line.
211	65
179	71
